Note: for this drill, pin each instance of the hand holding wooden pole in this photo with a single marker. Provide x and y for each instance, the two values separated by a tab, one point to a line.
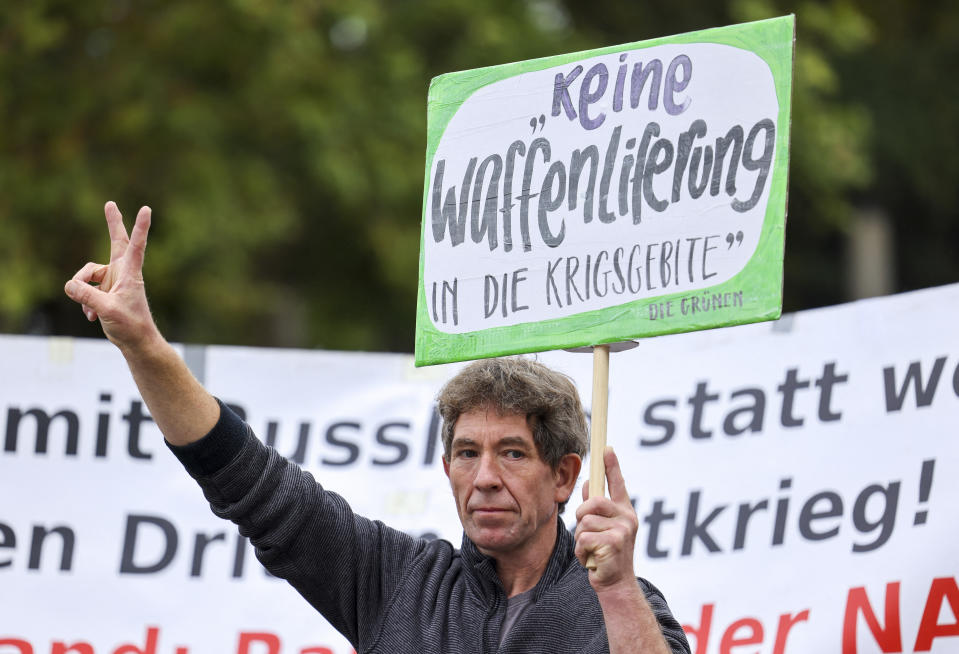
597	430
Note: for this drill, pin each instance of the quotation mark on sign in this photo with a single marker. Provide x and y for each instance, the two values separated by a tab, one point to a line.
738	238
541	121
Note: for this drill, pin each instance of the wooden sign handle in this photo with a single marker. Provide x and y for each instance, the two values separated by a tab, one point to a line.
597	429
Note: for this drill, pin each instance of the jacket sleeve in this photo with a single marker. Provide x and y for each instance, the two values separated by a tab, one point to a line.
346	566
672	630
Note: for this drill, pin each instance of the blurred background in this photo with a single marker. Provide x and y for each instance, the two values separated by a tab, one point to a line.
281	145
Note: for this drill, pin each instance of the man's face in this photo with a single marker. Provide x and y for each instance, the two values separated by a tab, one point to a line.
505	493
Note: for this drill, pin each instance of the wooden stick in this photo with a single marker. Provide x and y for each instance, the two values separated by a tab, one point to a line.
597	429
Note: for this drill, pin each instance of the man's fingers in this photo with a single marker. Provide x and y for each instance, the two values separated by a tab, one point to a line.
138	239
586	546
595	523
606	528
92	273
600	506
90	297
614	477
118	233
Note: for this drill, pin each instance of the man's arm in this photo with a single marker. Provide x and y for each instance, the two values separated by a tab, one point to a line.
115	294
344	565
606	528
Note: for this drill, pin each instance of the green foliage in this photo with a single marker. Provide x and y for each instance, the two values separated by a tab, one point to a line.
281	146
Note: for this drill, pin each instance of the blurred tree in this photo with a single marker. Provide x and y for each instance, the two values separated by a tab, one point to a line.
281	146
906	77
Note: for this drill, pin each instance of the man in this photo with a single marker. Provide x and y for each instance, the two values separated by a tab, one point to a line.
514	438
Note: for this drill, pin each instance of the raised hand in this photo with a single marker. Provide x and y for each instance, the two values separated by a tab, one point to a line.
606	528
115	292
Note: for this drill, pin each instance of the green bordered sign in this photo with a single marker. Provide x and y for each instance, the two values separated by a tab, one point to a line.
606	195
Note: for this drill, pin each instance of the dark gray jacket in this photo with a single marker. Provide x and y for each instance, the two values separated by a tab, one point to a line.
385	591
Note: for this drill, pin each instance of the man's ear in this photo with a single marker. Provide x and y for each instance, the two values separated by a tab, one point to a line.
446	467
566	474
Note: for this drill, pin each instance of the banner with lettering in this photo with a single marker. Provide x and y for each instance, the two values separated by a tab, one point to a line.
796	485
599	196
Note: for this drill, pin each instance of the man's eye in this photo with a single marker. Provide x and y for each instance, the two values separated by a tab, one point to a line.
514	454
466	454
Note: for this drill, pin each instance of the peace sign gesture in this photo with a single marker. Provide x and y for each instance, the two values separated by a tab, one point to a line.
115	292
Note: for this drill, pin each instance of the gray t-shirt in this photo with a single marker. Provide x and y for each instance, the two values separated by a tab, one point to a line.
515	607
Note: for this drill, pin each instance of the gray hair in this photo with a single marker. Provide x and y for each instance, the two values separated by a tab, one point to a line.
522	386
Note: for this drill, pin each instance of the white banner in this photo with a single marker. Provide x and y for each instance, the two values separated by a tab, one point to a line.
796	485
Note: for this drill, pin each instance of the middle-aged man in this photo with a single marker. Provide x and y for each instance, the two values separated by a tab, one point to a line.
514	438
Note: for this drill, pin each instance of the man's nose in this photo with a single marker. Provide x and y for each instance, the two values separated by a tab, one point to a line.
487	473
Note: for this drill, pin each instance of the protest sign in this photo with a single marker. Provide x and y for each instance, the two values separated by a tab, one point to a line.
795	485
594	197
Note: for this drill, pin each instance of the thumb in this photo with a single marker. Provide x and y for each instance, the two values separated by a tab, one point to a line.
85	294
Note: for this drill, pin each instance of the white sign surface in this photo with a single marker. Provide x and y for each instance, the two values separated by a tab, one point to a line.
572	226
